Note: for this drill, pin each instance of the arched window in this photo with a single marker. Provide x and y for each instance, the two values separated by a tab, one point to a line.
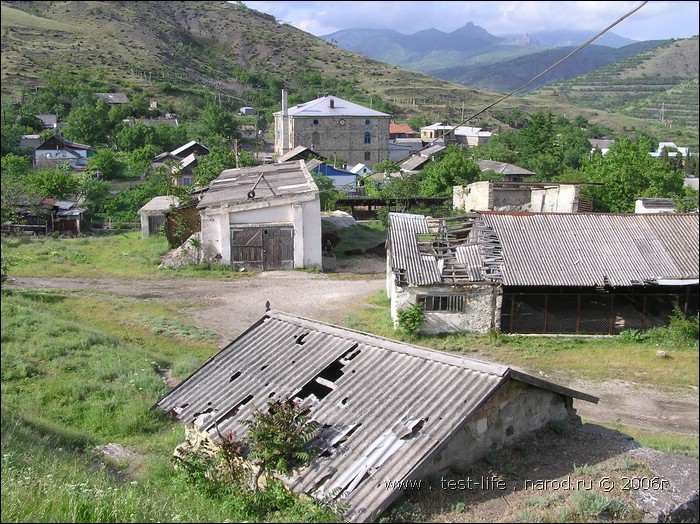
315	138
368	137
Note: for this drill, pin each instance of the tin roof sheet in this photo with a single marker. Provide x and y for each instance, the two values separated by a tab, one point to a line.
594	249
331	106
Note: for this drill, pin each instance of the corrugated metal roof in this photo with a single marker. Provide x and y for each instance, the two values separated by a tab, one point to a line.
592	249
331	106
366	387
233	186
550	249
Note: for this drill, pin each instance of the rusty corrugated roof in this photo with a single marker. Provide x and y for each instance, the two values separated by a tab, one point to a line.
384	407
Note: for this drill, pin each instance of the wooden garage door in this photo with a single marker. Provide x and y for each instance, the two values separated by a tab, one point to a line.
266	248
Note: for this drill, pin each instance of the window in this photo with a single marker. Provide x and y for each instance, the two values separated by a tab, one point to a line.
368	137
315	121
186	181
368	155
368	122
449	303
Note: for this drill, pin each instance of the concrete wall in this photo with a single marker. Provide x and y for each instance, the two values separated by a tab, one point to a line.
303	215
510	197
474	197
338	141
514	411
481	309
482	196
558	199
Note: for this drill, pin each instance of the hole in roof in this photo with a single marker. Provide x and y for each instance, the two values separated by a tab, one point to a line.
300	339
246	400
272	394
263	368
234	376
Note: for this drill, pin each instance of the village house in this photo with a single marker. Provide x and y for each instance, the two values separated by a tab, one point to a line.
57	151
435	412
152	214
264	217
537	273
333	128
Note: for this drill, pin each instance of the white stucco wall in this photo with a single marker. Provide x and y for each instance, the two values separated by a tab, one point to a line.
482	308
303	215
474	197
559	199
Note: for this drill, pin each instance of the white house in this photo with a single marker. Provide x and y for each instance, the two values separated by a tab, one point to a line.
265	217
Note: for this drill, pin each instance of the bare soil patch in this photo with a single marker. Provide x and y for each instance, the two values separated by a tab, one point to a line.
228	307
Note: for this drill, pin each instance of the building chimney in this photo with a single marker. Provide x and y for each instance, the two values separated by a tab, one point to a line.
332	103
285	123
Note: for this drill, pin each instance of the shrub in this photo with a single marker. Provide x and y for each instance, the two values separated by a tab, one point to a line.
279	438
411	318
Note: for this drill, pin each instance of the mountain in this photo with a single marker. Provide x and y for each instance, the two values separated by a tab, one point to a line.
461	55
508	75
182	54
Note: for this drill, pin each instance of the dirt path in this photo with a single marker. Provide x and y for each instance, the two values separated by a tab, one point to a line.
229	307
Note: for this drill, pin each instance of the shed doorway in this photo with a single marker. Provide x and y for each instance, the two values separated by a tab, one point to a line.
262	248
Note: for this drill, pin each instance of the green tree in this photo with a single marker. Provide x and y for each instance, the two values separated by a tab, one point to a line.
88	124
210	166
132	137
59	182
327	192
15	183
218	122
279	437
95	193
105	162
453	169
627	172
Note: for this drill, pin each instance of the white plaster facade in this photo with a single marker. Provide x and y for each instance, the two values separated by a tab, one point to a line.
491	196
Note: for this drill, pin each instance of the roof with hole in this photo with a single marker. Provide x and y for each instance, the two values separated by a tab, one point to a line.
546	249
385	408
264	182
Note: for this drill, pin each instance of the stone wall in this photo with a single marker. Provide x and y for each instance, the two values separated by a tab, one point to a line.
514	411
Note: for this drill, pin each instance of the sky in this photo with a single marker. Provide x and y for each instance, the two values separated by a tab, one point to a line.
655	20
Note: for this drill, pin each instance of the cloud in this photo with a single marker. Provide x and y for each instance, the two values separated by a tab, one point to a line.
653	21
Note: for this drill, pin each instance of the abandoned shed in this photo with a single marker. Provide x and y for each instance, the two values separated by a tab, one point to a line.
152	214
386	410
264	217
565	273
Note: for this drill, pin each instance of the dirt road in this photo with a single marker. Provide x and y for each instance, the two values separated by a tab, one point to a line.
229	307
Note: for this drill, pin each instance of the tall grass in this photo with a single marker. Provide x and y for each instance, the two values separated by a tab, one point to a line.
68	388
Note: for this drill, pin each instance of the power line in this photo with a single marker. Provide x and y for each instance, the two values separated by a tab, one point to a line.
579	48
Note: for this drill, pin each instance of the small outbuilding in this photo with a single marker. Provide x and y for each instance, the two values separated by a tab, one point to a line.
265	217
387	412
153	214
535	273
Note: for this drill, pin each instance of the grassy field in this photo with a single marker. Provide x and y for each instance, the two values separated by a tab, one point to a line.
82	370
